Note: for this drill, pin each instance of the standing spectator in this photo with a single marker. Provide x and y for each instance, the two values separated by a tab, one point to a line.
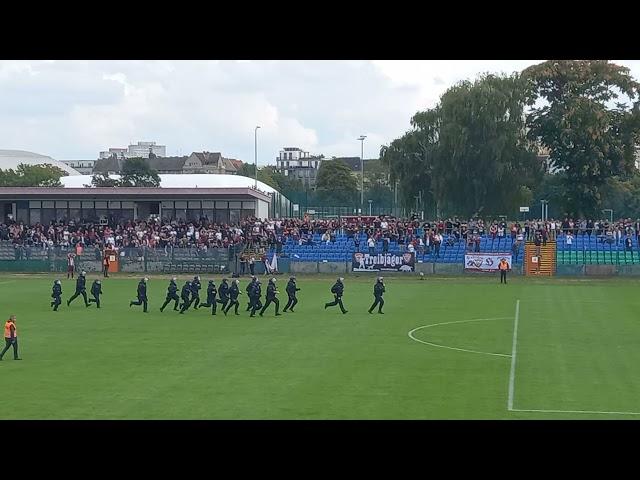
437	241
569	239
371	243
628	243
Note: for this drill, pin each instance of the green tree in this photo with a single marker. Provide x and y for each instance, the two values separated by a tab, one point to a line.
136	172
101	179
587	114
24	175
335	185
470	153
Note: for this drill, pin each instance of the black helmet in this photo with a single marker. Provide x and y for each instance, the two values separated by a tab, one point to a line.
210	282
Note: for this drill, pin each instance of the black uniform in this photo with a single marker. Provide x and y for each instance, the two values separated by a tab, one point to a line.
337	290
81	289
291	292
233	297
185	295
256	292
212	292
56	294
96	291
271	298
172	294
378	291
195	292
142	296
224	293
248	289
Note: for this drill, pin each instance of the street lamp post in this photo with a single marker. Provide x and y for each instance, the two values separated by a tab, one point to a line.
256	153
370	202
361	138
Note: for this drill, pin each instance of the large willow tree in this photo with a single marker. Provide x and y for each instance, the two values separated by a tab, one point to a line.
470	153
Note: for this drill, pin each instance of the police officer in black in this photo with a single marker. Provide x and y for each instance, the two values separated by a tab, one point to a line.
195	292
142	295
234	291
224	293
256	293
185	295
249	288
272	291
56	294
337	290
96	291
212	292
81	289
172	294
378	291
292	288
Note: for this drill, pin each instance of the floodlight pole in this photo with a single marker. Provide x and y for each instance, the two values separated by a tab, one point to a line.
256	153
361	138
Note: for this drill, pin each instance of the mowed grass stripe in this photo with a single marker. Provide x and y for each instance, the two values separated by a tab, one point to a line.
120	363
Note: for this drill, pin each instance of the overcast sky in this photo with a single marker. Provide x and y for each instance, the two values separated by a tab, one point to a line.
74	109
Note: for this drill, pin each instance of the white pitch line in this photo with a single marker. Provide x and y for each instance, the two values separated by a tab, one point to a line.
455	348
594	412
512	373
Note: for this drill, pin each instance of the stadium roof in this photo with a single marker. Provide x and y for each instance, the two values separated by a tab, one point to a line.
13	158
184	180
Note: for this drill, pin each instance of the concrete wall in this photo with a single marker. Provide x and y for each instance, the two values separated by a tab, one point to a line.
426	268
333	267
629	270
133	267
571	270
304	267
600	270
90	265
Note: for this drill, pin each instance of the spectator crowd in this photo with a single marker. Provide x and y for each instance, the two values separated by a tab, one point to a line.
409	234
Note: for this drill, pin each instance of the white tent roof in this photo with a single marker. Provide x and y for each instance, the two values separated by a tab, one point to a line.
187	180
13	158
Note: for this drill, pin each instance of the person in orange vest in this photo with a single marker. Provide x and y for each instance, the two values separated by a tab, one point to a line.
10	337
503	266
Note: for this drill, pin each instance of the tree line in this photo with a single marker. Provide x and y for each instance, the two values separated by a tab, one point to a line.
478	150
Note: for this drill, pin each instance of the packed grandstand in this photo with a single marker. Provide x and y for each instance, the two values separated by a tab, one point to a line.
307	239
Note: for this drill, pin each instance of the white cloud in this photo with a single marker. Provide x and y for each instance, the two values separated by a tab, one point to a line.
74	109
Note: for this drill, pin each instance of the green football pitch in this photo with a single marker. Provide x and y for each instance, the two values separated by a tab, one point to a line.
463	348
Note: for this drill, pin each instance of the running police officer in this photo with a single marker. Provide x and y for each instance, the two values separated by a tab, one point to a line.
378	291
142	295
338	291
81	289
172	294
292	288
96	291
234	291
56	294
272	291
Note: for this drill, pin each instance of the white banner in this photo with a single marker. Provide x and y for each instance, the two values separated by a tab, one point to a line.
485	262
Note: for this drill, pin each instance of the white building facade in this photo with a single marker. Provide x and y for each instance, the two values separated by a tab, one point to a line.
293	161
140	150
